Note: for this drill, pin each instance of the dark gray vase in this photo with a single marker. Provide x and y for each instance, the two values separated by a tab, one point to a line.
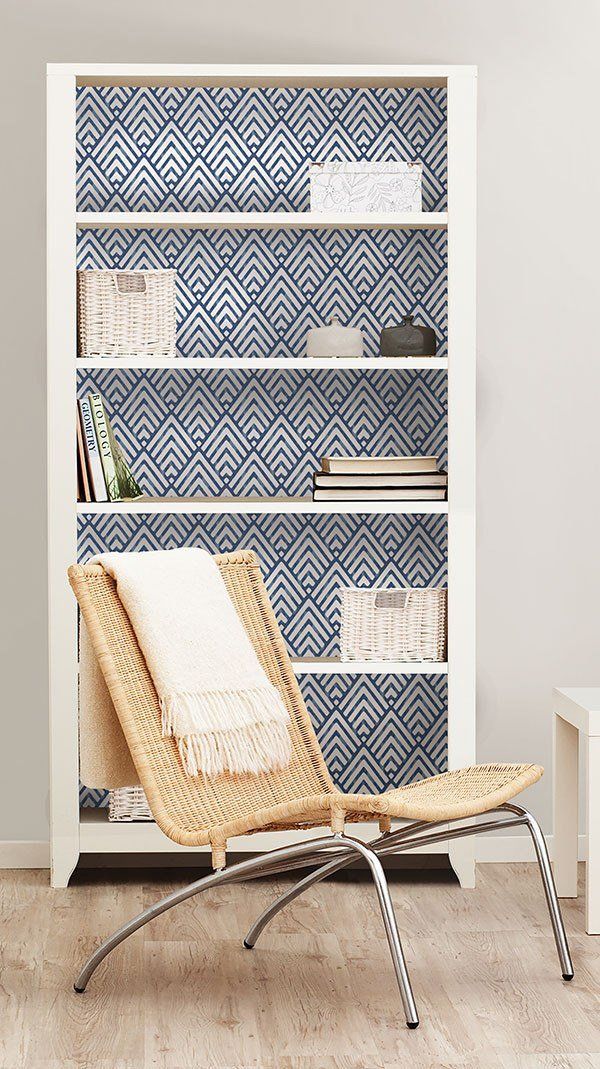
409	339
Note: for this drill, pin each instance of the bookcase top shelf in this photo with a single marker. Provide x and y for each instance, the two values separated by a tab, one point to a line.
263	220
258	505
190	74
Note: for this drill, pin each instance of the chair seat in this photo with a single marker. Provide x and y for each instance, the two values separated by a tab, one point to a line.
465	792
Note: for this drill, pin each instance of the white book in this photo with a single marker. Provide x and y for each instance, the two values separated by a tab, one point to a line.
389	494
95	470
377	465
369	482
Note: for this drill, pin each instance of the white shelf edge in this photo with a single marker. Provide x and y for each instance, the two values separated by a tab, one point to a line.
263	220
252	74
312	666
97	835
243	506
404	363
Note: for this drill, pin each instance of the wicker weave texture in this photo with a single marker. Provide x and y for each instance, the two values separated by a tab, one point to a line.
126	804
126	313
193	811
393	624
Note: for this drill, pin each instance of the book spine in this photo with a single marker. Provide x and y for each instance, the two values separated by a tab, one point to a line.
102	437
94	463
80	493
375	482
82	469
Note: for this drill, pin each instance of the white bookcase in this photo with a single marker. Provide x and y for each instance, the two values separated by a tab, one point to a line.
73	833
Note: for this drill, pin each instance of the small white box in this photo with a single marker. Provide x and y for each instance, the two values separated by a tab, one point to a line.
365	187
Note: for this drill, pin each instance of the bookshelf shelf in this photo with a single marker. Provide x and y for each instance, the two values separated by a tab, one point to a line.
240	505
312	666
262	220
302	363
245	75
379	275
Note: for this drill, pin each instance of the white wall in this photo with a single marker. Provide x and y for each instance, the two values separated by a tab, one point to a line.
539	365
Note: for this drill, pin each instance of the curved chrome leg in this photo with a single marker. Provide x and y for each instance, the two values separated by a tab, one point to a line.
390	838
298	889
391	929
417	834
243	870
541	850
385	903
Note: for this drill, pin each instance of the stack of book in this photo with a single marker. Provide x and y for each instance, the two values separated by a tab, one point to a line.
379	479
103	474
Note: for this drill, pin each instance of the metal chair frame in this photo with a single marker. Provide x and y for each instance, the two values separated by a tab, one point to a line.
338	851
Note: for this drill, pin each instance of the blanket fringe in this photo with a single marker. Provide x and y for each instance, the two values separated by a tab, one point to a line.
257	748
256	738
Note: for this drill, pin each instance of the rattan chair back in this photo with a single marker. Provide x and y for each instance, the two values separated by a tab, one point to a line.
190	809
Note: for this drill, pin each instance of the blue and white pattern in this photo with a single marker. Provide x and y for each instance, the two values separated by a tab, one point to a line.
242	149
305	559
243	433
256	293
376	732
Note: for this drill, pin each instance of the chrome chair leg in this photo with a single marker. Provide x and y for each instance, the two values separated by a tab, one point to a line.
422	835
243	870
418	833
391	929
541	850
388	839
385	904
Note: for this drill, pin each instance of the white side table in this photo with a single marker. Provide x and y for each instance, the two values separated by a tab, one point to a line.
577	711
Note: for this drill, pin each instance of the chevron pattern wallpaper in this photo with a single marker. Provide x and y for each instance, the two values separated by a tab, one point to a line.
380	731
256	293
240	433
240	149
305	559
376	731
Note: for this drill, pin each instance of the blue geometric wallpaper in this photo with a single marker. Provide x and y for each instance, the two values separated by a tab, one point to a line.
305	559
376	732
243	433
256	293
245	149
380	731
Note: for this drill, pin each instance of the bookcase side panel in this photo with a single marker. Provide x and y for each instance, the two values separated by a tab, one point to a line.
62	542
462	114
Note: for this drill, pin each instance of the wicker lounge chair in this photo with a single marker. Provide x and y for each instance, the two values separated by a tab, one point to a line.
193	812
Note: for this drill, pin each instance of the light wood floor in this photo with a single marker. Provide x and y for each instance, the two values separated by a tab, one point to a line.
318	991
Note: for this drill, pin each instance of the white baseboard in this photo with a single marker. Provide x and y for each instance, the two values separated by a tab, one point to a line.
507	848
26	854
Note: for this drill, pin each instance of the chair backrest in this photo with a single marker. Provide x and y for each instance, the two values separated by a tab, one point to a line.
185	807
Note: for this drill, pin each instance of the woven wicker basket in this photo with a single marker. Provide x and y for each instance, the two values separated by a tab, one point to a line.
393	624
128	803
126	313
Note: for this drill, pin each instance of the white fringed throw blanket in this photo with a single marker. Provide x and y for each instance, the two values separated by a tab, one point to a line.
214	695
